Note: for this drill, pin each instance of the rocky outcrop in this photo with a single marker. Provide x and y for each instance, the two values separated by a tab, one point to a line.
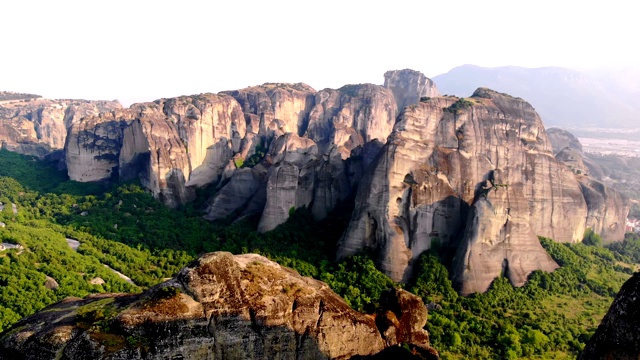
351	116
311	171
175	145
607	208
574	160
169	145
498	239
618	336
561	139
409	86
39	126
93	146
432	171
276	107
568	150
220	307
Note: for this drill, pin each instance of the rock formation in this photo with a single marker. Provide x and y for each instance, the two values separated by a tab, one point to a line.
174	145
618	336
169	145
607	208
477	175
498	239
568	150
351	116
39	126
439	162
409	86
312	169
279	108
220	307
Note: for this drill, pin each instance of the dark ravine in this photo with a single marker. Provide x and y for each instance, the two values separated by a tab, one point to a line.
220	307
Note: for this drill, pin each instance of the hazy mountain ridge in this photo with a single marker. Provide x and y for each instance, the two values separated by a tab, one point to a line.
563	97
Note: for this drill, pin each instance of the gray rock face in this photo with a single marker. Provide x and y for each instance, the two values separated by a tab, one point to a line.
281	196
408	86
220	307
39	126
498	240
279	108
561	139
573	159
617	336
431	171
351	116
309	171
607	208
300	176
169	145
242	186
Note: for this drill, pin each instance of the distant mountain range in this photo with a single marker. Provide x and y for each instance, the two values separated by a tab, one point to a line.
563	97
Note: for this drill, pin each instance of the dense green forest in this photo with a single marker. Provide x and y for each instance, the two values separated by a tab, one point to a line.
122	226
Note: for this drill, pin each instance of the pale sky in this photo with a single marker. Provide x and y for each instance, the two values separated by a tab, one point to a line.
138	50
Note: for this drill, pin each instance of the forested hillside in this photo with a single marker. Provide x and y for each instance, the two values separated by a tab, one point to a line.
125	228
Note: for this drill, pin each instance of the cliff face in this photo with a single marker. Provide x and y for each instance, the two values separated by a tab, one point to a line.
607	208
617	336
477	175
279	108
220	307
314	169
170	144
351	116
438	163
39	126
408	86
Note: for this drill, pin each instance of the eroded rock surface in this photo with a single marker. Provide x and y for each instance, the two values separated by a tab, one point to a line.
169	145
607	208
39	126
498	240
351	116
409	86
618	336
432	171
219	307
278	108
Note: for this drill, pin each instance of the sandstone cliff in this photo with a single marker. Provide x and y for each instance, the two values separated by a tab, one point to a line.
351	116
618	336
280	108
438	163
409	86
220	307
607	208
39	126
169	144
315	168
175	145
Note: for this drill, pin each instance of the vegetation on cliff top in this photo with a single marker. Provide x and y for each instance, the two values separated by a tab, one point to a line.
125	228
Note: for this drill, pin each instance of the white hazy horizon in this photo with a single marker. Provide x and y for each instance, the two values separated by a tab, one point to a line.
141	50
